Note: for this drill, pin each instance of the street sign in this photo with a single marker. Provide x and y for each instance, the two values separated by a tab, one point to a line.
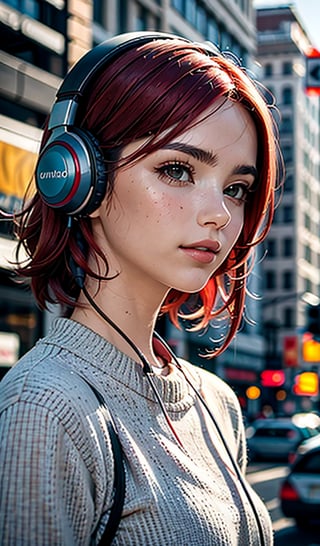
312	79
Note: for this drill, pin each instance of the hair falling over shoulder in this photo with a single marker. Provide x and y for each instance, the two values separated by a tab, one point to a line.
157	90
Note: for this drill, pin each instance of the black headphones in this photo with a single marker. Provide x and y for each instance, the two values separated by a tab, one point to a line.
70	173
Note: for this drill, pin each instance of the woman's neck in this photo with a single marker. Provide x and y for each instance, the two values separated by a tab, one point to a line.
136	317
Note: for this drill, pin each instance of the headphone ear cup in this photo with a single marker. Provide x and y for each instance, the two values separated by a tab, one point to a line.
70	174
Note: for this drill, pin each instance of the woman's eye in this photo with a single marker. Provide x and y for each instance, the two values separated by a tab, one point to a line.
237	191
176	172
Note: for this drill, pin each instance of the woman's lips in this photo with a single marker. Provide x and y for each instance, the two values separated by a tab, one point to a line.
202	251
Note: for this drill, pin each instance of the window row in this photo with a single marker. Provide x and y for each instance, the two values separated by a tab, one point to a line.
48	13
286	69
311	166
311	256
284	214
282	98
314	198
285	317
279	247
197	14
284	281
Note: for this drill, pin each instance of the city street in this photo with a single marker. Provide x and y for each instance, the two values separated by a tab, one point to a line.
266	478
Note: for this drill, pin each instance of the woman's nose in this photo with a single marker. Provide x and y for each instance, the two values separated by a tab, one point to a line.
213	210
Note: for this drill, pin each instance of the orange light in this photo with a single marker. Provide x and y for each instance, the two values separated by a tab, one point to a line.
310	348
253	392
281	395
306	384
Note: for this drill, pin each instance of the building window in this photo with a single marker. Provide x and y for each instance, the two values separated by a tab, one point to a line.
307	221
307	254
122	19
178	5
98	12
268	70
141	18
287	214
213	31
270	280
289	184
226	40
287	95
271	248
28	7
287	247
286	124
287	153
288	317
191	11
287	68
287	280
201	19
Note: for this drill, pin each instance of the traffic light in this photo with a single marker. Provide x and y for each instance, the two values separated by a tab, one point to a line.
313	321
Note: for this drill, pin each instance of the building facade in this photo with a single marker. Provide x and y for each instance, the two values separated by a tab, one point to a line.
291	267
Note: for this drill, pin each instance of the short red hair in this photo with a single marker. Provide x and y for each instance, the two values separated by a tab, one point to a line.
157	90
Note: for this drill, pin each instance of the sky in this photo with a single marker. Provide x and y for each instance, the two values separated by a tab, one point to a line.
308	12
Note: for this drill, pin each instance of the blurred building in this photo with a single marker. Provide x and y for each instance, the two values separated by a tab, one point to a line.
40	40
230	23
290	269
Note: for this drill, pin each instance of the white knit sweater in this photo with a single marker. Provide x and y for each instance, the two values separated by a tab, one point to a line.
56	464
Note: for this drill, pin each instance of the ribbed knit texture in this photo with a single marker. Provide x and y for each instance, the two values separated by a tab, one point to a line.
56	464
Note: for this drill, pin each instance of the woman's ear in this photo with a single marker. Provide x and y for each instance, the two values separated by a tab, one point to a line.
95	213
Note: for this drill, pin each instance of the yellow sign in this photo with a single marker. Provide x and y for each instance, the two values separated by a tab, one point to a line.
16	172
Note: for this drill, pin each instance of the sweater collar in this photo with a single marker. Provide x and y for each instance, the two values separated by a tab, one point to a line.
99	360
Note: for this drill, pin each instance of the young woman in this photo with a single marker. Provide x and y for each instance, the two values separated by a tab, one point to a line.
155	181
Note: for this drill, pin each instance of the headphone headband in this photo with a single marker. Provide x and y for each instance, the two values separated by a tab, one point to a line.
81	74
86	68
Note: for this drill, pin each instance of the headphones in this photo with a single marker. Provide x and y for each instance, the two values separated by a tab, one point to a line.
70	174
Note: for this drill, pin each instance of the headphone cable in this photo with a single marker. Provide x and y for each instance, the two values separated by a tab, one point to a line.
147	370
213	419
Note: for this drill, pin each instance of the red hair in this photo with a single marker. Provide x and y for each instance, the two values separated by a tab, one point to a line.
158	91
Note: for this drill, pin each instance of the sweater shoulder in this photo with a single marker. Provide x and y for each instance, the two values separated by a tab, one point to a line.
41	377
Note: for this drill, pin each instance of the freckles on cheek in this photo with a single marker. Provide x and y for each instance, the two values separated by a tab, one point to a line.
170	207
159	206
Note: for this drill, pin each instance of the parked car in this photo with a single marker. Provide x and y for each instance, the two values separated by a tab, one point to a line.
275	438
300	491
302	448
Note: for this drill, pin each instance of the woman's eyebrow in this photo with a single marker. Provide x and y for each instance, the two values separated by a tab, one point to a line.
197	153
209	158
246	169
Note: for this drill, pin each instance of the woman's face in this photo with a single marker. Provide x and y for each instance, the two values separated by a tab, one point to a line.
176	214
